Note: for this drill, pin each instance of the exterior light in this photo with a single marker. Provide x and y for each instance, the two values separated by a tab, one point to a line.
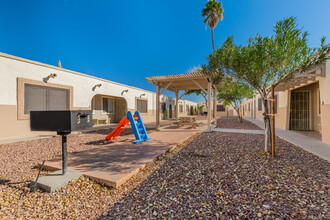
52	75
97	85
126	90
142	95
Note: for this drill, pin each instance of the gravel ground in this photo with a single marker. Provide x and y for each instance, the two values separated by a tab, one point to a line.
82	198
226	175
232	123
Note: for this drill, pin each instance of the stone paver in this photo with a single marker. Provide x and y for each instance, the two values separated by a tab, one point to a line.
310	144
114	163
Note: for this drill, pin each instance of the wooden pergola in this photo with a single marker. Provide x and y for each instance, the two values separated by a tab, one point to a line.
184	82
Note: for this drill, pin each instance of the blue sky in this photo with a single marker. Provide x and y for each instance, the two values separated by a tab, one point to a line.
125	41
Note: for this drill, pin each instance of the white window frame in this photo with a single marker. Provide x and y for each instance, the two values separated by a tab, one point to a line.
113	101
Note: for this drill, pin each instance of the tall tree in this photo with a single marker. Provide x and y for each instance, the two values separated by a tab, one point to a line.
213	12
233	92
266	61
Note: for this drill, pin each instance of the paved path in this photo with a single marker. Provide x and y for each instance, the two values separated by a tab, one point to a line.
114	163
242	131
312	145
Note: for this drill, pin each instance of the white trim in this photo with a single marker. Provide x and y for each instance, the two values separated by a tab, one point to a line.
113	109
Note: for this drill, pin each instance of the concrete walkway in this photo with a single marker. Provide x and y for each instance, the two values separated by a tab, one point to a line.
311	145
241	131
114	163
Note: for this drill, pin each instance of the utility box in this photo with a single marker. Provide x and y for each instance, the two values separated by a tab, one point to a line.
61	121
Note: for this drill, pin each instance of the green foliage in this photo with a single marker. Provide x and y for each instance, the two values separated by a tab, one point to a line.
233	92
267	60
213	12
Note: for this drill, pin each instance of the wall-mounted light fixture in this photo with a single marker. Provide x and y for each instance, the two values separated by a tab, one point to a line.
52	75
126	90
142	95
96	86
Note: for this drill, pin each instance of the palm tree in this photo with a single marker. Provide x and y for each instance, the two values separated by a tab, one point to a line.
213	12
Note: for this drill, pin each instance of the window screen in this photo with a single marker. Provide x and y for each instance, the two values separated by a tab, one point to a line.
221	108
142	106
40	98
108	105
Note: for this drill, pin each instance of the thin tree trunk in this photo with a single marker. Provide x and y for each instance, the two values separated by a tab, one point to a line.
239	119
212	39
268	137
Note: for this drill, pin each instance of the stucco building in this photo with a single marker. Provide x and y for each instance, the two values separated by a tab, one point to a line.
27	85
301	104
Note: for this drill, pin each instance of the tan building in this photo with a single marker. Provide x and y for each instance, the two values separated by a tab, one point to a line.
221	109
302	104
27	85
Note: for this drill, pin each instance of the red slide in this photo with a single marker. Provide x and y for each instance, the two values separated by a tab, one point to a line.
120	127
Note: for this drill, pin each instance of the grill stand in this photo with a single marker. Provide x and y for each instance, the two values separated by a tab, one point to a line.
64	135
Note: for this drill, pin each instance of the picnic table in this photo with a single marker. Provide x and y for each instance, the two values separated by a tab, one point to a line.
187	120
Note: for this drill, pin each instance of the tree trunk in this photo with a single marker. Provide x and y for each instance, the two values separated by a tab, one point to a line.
212	39
239	119
268	136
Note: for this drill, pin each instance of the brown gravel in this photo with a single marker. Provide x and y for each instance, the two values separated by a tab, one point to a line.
232	123
226	175
82	198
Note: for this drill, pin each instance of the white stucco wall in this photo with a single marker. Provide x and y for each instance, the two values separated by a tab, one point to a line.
13	67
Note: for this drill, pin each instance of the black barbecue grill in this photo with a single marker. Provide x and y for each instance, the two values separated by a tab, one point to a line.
63	122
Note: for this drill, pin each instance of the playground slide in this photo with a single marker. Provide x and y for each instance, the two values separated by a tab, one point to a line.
120	128
138	128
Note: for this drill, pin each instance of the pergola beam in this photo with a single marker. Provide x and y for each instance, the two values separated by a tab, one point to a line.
166	87
201	87
184	94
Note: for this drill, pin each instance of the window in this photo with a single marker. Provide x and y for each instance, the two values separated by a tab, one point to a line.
38	98
259	104
107	105
187	108
181	108
142	105
221	108
249	106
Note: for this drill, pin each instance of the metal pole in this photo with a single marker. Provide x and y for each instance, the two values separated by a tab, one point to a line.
273	120
64	154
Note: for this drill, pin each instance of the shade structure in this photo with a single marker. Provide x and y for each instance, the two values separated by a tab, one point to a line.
183	82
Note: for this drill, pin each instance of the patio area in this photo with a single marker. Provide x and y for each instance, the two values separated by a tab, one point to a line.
113	163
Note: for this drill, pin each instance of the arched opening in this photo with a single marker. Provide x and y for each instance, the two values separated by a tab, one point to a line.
108	109
170	111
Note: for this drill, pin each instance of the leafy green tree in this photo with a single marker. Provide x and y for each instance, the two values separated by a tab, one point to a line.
233	92
266	61
213	12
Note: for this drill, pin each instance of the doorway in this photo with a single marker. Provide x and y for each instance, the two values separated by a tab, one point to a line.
300	110
170	111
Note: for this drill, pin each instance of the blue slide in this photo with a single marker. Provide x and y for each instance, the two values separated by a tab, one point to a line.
139	130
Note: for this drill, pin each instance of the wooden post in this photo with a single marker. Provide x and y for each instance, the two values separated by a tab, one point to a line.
273	120
214	103
209	103
177	105
157	107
